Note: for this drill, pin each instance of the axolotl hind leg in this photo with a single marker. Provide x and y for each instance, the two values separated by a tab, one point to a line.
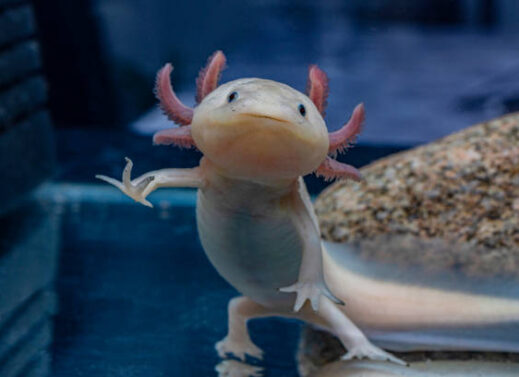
238	342
241	309
351	337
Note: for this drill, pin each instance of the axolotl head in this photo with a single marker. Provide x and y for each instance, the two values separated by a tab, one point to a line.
258	129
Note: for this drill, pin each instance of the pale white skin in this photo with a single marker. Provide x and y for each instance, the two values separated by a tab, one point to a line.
255	219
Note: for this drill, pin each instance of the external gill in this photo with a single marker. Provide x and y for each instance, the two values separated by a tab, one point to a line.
340	140
175	110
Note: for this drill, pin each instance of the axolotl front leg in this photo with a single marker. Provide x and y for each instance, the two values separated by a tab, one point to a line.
139	188
310	284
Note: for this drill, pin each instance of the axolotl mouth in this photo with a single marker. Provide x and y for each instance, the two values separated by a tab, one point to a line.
287	133
251	125
263	116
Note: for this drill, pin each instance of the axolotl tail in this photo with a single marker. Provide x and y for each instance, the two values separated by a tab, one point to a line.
411	294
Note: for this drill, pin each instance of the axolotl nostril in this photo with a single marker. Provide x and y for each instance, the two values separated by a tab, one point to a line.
255	219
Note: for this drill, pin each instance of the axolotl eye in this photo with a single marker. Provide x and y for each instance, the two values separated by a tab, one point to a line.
302	109
232	97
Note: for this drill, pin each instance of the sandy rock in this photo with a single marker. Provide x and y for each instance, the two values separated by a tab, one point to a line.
463	188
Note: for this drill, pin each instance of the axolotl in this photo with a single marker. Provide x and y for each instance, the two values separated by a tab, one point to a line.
254	215
257	225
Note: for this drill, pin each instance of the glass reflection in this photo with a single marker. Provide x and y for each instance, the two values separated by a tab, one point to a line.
28	264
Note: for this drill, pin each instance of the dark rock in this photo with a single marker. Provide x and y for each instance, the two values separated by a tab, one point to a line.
16	24
10	3
26	157
19	61
21	100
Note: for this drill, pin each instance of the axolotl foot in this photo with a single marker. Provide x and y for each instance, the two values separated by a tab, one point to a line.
369	351
135	190
311	291
238	347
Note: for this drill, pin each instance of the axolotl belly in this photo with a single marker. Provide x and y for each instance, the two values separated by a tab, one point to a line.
249	236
